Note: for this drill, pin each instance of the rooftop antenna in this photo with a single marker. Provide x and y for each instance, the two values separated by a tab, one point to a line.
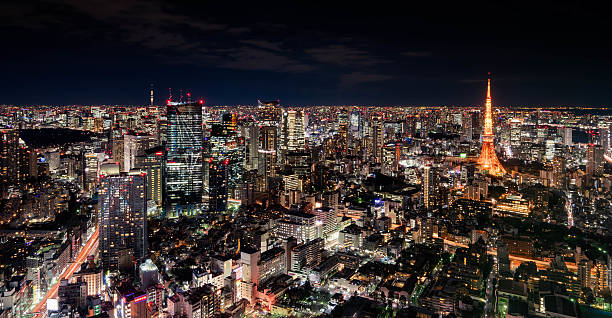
170	97
152	95
188	96
181	95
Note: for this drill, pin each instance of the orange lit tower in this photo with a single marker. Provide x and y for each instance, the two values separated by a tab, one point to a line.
488	161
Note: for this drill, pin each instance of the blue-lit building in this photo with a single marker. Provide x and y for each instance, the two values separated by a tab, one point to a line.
183	178
225	154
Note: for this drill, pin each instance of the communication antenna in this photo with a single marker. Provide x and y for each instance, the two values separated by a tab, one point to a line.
152	99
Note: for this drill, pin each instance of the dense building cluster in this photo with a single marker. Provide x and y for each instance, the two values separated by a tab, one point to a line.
190	210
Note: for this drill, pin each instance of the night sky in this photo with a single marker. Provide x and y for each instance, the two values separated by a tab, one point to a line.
305	53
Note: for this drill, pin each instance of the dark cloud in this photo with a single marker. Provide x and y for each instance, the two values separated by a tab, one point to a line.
356	78
249	58
344	55
235	51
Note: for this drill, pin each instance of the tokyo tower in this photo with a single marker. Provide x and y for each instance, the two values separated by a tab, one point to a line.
488	161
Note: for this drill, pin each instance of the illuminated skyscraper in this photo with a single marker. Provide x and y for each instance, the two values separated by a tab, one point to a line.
378	139
595	160
9	142
224	166
268	117
558	172
122	217
250	135
152	162
488	161
90	177
133	146
292	131
183	189
515	136
430	187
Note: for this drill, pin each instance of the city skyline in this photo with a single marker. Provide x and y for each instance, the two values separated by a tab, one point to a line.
72	53
196	159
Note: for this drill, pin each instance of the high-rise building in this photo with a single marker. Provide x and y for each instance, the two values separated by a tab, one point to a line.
250	134
515	136
224	165
90	175
122	217
430	187
467	133
378	139
605	136
602	277
595	160
558	172
133	146
584	273
488	161
292	131
152	162
268	117
567	136
27	163
183	186
9	142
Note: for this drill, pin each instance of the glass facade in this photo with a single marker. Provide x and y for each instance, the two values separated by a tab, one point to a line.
184	158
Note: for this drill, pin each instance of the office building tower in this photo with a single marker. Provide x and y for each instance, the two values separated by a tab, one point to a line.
183	186
292	131
476	124
558	172
224	164
117	148
378	139
356	124
605	136
134	146
152	162
595	160
268	117
9	143
250	134
90	175
122	217
466	134
567	136
515	136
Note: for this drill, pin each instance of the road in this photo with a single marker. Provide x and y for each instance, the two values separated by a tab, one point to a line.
41	309
490	294
517	260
